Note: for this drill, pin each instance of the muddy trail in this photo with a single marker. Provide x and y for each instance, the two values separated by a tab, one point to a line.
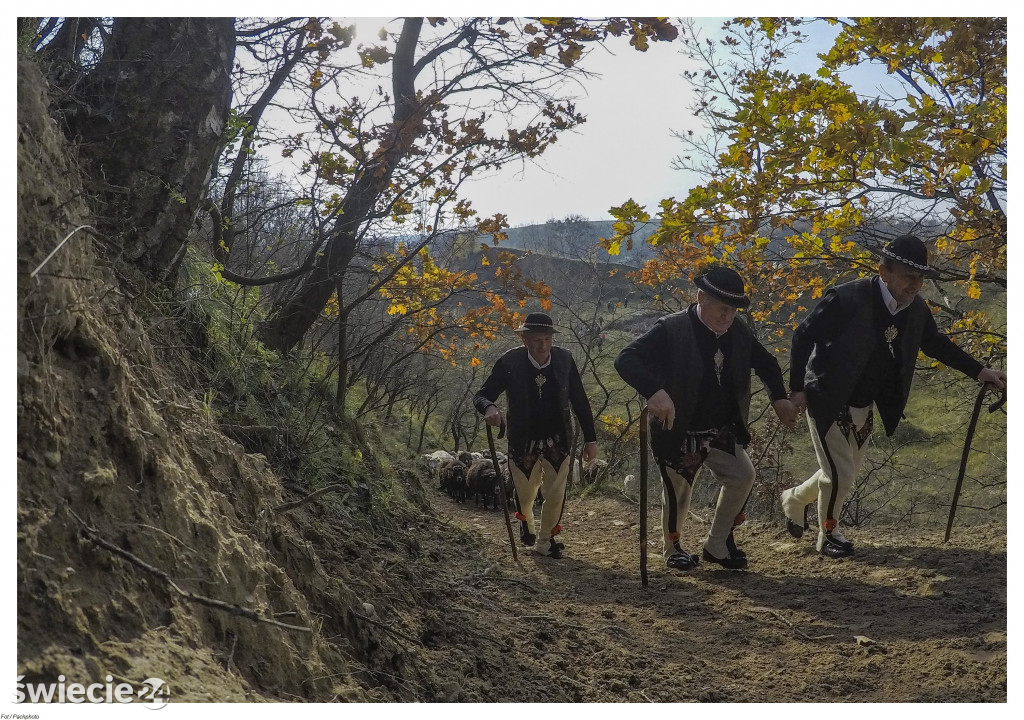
907	619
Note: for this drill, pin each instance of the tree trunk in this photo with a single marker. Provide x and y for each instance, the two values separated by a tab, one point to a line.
427	412
342	395
455	434
290	321
151	116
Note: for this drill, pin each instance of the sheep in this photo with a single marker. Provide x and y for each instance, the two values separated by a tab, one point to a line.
453	480
483	483
433	461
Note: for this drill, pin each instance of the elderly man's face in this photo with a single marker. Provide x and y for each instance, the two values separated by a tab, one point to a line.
538	344
904	282
716	314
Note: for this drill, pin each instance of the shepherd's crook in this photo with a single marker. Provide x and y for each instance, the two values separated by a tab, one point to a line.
643	497
967	450
501	479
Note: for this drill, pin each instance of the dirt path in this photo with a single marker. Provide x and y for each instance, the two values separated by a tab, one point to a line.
931	618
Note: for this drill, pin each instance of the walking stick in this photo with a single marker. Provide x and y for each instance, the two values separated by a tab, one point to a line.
967	450
501	479
643	497
572	452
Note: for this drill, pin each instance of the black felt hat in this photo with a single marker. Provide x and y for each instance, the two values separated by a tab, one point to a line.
537	322
910	251
723	283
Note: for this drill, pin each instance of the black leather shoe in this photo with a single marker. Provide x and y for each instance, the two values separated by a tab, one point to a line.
734	552
836	550
681	561
844	543
729	563
555	549
795	530
526	537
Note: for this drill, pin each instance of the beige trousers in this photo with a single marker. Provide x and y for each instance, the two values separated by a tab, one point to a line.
552	482
734	472
840	456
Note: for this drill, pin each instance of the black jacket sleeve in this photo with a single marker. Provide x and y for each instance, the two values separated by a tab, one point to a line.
638	363
493	387
581	404
936	344
823	324
766	366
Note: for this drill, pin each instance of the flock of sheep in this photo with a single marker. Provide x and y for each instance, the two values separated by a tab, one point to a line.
471	475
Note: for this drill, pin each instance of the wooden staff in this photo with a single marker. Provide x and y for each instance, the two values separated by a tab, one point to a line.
643	497
501	481
967	451
572	454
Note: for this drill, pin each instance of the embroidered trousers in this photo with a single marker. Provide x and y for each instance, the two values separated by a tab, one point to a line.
542	475
840	455
734	472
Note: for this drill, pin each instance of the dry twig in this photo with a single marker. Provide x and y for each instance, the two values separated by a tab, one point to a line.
388	629
94	536
797	630
59	246
333	487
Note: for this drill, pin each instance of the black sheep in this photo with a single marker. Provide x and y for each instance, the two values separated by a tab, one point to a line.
483	483
454	480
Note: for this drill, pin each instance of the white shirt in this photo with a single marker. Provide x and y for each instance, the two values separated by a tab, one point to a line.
537	364
699	317
889	301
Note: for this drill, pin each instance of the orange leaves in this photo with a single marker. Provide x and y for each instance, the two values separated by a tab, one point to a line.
494	226
419	287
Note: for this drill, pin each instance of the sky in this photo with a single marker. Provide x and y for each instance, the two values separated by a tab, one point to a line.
622	151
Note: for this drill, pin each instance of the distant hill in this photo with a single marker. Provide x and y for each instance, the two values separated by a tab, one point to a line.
575	237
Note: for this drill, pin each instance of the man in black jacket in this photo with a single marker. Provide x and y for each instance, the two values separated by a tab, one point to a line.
854	352
694	369
541	382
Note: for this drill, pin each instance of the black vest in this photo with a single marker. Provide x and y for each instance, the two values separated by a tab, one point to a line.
686	369
835	367
521	374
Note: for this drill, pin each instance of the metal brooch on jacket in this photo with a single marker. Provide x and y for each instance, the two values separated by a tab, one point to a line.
890	334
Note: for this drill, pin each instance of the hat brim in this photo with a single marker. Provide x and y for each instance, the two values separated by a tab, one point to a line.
926	270
738	302
543	329
929	272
